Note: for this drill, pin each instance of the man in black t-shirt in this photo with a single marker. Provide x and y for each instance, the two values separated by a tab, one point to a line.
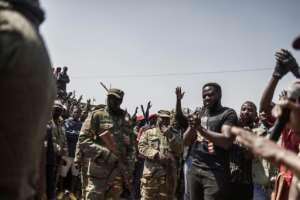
209	174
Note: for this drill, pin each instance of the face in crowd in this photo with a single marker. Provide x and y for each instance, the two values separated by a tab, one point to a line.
114	103
163	121
211	95
83	115
76	113
248	113
56	112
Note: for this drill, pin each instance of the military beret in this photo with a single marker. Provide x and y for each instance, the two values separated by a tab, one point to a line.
116	92
164	113
152	116
296	43
140	118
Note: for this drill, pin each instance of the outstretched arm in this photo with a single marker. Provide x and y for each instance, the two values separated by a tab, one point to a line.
180	118
282	67
267	149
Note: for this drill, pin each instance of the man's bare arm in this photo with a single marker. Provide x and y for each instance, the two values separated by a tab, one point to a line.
267	149
280	70
189	136
267	96
223	139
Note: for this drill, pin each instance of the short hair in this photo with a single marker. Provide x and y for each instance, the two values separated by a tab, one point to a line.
250	103
215	85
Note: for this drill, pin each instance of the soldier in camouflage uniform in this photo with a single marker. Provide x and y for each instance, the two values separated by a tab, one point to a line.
82	164
56	146
56	124
107	140
160	146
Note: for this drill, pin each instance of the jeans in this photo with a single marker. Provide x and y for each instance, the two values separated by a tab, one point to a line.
186	169
28	89
260	193
206	184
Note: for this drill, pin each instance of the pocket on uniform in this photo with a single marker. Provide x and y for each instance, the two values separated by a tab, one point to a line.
98	170
149	187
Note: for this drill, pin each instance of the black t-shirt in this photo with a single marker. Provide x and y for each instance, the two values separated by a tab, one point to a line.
240	165
219	159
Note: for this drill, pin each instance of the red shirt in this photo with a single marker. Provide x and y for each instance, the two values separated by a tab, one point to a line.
290	141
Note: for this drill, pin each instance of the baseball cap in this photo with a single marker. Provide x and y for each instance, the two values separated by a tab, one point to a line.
116	92
164	113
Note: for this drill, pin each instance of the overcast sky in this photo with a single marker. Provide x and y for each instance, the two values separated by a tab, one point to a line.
147	48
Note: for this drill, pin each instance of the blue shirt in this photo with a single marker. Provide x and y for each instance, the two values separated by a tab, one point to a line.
72	133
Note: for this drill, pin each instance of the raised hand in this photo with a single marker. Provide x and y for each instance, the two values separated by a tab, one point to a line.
287	62
79	99
280	69
143	111
283	95
88	102
179	93
148	109
135	113
149	105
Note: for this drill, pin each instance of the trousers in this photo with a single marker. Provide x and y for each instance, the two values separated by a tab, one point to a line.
206	184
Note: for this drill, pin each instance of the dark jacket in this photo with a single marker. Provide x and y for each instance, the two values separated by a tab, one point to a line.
30	8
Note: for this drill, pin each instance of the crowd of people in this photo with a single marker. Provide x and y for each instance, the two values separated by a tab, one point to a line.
103	152
54	146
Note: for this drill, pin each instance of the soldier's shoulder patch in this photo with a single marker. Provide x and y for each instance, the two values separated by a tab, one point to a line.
99	109
100	106
100	112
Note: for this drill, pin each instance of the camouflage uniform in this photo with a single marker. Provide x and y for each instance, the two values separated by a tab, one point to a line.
159	180
56	150
108	172
82	163
59	138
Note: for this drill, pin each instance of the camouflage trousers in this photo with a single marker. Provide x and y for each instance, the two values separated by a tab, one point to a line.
28	89
104	183
84	179
158	188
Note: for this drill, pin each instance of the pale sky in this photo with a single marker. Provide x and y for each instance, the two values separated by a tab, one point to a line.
115	41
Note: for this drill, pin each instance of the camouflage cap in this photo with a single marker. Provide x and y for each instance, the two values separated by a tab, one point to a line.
296	43
164	113
116	92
